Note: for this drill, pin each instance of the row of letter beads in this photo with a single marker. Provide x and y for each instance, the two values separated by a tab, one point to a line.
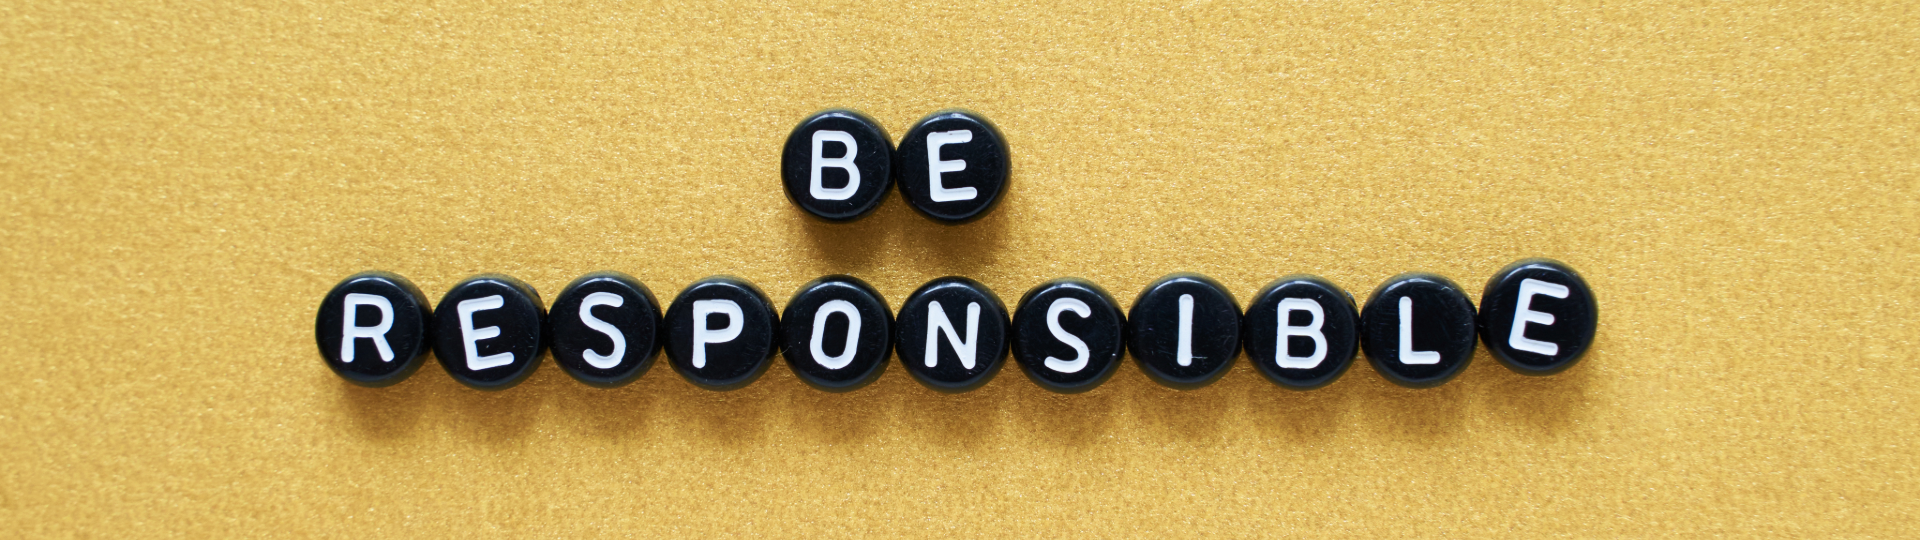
952	166
1536	316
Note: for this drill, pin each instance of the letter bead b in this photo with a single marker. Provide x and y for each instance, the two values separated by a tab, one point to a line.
837	165
1302	332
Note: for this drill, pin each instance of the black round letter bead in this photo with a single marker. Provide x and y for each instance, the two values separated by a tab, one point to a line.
1320	334
838	333
837	165
372	329
952	166
1422	314
1561	316
1184	330
606	329
720	333
488	331
952	334
1068	335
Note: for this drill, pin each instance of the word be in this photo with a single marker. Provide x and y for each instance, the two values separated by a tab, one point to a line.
952	166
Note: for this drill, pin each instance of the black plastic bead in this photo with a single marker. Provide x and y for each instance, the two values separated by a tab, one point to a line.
1316	341
1184	331
606	329
838	333
952	166
1068	335
952	334
721	333
837	165
372	329
488	331
1418	330
1561	316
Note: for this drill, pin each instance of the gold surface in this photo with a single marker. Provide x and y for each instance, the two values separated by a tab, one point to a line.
183	181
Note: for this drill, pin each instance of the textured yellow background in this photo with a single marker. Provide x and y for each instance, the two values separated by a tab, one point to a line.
184	180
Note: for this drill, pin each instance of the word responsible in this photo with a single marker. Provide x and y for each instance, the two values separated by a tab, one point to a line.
1535	316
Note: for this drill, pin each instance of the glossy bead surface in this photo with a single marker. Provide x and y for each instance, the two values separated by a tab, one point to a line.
1559	322
605	329
1418	330
952	166
838	333
372	329
1068	335
1184	331
721	333
488	331
951	334
837	165
1302	332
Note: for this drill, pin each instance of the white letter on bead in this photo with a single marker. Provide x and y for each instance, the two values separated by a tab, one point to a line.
703	336
1184	356
936	191
819	190
609	360
820	333
1523	315
1079	360
471	336
1409	356
937	323
1285	358
377	333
